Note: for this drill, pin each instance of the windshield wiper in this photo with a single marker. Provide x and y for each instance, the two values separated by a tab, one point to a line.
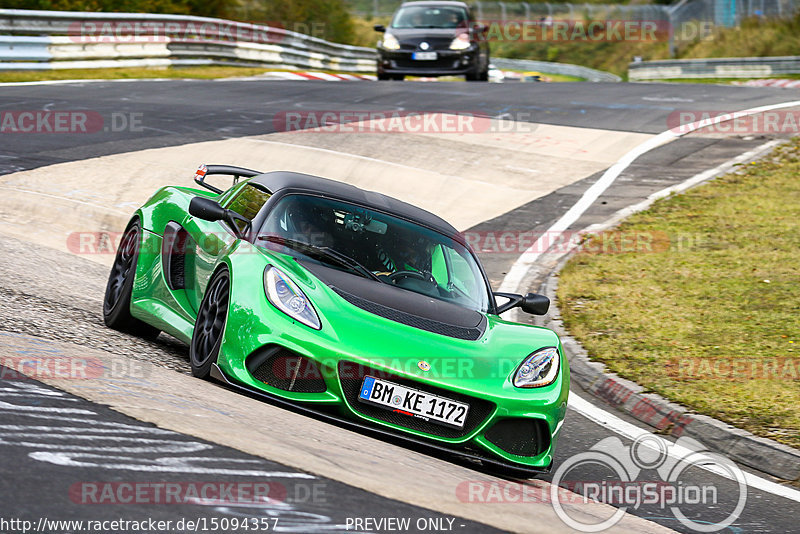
324	253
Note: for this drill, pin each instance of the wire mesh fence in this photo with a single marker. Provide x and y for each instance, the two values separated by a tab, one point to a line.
721	12
686	20
515	10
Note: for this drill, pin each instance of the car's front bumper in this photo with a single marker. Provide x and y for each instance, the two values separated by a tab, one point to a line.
502	420
477	372
395	436
448	63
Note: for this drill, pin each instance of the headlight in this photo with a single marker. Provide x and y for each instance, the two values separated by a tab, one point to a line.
390	42
461	42
288	298
538	369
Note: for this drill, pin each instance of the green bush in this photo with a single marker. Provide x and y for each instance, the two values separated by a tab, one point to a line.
326	19
208	8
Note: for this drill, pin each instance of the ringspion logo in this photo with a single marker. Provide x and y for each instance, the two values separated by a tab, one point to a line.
651	471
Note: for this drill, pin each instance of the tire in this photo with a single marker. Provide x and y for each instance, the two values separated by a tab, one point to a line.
485	74
210	325
383	77
478	75
399	77
117	299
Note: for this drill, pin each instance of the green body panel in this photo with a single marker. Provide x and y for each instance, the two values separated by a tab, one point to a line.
482	368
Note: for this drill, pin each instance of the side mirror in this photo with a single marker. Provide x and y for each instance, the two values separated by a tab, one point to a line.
210	210
207	209
535	304
531	303
379	28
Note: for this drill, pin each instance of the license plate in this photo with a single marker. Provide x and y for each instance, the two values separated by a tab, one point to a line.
424	56
413	402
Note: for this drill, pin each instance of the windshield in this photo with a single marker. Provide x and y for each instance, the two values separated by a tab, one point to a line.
376	245
430	17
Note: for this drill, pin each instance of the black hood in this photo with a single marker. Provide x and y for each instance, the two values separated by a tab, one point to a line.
400	305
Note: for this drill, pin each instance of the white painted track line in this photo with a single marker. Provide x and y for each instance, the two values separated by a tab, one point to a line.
515	275
631	431
519	270
679	188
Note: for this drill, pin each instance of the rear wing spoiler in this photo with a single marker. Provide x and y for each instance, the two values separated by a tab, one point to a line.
230	170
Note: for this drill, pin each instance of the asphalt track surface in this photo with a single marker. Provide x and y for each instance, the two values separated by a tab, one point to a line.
179	112
197	481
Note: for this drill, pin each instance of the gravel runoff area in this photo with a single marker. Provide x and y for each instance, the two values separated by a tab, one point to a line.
59	296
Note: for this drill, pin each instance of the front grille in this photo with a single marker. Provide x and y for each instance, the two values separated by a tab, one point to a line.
283	369
441	63
523	437
429	325
351	376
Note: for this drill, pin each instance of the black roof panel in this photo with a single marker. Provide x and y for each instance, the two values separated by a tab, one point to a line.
279	180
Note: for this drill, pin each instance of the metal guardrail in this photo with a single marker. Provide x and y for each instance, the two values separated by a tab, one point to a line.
24	48
551	67
741	67
42	40
69	39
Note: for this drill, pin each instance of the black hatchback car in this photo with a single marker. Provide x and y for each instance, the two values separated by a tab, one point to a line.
433	39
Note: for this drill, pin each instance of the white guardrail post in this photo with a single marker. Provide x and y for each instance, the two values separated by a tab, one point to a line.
69	39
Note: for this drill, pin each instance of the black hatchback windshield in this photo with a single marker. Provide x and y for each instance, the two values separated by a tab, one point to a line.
376	245
430	17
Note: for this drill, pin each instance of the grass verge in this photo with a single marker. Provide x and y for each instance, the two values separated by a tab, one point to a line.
704	308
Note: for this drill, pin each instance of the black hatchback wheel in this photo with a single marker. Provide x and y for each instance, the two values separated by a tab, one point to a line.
117	300
210	325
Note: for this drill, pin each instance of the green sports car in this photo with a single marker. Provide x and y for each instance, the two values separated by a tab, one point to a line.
345	302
